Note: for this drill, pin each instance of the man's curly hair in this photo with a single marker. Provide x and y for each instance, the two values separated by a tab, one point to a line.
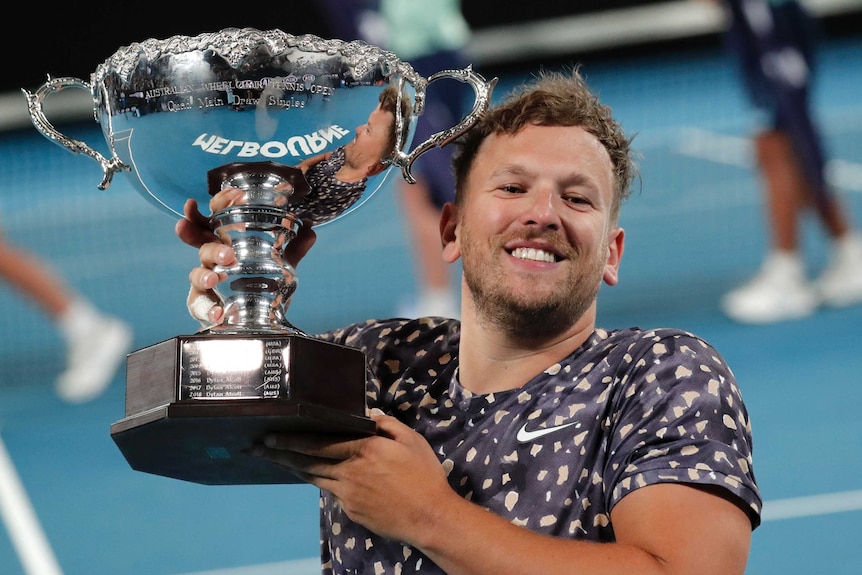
552	99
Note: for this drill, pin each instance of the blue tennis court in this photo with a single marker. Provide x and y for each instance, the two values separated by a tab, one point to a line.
71	504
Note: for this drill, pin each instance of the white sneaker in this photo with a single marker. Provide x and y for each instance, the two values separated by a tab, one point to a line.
779	292
93	358
840	284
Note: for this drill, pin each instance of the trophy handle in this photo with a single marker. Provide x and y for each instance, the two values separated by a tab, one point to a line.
482	96
35	103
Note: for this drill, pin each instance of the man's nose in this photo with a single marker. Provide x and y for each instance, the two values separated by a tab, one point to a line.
543	207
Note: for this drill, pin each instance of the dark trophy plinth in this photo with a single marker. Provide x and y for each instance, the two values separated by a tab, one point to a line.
195	404
190	117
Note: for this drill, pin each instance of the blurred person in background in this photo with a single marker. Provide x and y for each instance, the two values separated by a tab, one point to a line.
430	35
96	343
774	42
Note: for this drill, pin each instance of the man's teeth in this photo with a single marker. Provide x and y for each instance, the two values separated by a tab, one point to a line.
534	254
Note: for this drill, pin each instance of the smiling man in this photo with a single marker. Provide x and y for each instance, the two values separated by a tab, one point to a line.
525	439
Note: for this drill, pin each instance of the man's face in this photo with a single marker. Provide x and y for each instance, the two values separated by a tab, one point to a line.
369	145
535	231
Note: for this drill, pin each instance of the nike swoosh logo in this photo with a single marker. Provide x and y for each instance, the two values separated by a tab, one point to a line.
525	436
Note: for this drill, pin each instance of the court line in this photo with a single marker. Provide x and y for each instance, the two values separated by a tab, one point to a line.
731	150
309	566
23	527
811	505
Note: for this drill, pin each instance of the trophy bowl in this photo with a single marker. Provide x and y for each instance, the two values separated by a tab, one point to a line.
191	116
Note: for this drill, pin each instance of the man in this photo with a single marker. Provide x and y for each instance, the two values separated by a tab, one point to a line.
517	439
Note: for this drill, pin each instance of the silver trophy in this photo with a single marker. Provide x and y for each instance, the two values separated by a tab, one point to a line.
188	117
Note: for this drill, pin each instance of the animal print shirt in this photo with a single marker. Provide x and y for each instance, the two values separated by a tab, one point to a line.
629	408
328	197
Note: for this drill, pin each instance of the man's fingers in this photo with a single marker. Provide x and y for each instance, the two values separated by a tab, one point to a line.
194	229
225	198
192	212
203	280
213	254
303	466
315	445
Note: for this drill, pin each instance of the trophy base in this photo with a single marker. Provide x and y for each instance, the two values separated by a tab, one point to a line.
196	404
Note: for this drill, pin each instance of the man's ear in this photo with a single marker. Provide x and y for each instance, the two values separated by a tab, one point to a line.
449	232
616	243
375	169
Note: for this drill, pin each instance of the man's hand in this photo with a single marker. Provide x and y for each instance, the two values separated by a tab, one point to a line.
195	230
368	474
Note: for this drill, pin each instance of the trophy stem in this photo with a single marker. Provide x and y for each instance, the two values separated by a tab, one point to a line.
258	227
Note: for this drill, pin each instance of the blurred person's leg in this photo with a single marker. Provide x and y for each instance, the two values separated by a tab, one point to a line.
394	25
780	290
31	278
784	186
421	203
96	343
794	169
436	296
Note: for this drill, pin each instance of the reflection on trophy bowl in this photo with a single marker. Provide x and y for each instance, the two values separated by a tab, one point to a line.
259	111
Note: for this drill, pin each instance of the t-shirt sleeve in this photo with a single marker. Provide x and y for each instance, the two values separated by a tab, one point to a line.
681	419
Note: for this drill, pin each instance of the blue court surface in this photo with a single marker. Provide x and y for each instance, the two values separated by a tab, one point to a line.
71	504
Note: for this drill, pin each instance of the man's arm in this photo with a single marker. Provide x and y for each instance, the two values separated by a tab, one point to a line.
309	163
664	529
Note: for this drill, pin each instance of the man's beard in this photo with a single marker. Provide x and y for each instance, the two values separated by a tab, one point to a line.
532	318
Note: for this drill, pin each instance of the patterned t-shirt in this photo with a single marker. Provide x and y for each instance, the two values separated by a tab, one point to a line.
629	408
328	197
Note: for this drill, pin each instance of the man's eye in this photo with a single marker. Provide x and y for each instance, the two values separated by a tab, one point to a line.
578	200
512	189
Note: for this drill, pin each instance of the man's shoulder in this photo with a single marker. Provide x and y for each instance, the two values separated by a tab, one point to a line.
639	335
641	349
399	332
